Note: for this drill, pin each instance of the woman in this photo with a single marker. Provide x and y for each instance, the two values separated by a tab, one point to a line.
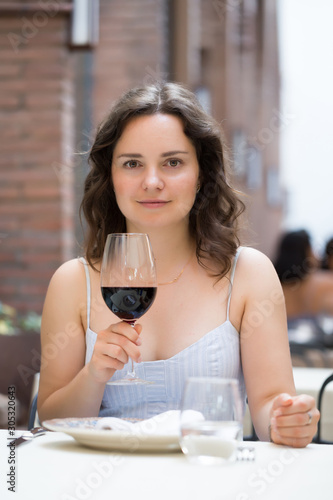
158	167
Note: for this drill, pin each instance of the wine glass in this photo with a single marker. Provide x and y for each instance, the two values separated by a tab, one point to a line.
128	282
211	420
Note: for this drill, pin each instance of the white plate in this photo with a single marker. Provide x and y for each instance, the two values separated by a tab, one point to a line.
84	431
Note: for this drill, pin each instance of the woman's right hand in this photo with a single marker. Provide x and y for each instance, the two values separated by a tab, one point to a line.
113	348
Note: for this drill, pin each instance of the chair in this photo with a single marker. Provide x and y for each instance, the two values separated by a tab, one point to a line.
318	438
307	342
253	436
32	413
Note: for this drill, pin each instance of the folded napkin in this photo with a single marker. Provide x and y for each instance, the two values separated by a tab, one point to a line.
166	424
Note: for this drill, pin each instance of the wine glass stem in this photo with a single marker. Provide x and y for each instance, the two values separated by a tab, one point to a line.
132	373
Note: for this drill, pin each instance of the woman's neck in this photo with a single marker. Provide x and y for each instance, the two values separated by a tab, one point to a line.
173	249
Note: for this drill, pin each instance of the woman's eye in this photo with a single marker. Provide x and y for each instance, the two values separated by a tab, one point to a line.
174	163
131	164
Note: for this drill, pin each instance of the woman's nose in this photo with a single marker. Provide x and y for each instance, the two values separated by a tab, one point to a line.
152	179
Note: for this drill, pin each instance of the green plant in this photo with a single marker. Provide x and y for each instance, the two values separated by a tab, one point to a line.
12	322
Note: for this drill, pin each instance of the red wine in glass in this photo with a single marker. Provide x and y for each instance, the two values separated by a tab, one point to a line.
128	303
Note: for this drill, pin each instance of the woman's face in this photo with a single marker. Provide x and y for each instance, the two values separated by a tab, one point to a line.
155	173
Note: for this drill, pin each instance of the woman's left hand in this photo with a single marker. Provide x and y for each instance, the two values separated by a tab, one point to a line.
294	420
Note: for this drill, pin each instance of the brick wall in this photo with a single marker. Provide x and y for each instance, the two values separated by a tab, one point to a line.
42	95
133	49
36	99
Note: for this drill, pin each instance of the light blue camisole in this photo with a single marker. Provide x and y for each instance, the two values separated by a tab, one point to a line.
216	354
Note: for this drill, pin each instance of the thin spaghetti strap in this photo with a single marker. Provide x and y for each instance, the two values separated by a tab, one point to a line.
84	262
239	249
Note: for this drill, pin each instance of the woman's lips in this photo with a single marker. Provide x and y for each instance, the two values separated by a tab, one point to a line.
153	203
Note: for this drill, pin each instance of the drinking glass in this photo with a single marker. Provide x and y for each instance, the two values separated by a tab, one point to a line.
211	420
128	282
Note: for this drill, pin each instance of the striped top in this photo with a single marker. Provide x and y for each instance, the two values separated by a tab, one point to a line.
216	354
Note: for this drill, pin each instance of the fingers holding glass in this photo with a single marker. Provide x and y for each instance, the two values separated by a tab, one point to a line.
113	349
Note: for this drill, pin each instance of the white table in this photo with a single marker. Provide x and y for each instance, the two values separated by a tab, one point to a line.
309	381
55	467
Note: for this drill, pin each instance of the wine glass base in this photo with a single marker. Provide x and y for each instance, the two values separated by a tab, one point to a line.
129	381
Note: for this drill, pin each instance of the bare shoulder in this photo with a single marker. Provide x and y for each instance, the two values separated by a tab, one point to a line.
67	286
69	273
256	285
66	296
256	273
252	261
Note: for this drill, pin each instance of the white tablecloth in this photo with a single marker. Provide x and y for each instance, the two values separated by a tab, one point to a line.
309	381
55	467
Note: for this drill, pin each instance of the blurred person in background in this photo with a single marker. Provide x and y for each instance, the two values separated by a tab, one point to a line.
308	290
327	260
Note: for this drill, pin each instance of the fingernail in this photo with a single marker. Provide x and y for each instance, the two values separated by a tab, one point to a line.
273	423
138	341
277	413
139	359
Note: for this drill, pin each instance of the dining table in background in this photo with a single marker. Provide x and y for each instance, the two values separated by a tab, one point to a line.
56	467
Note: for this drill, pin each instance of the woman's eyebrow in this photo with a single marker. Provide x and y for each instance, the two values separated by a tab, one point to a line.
171	153
130	155
163	155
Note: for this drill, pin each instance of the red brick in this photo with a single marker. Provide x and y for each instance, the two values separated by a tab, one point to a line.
31	85
41	54
11	133
35	191
52	209
26	146
51	241
10	192
15	274
41	259
50	132
6	290
6	258
36	117
33	290
45	224
9	70
41	100
24	304
30	175
52	38
44	37
10	101
50	70
8	226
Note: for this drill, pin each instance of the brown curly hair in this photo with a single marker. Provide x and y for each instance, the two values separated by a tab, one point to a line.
217	205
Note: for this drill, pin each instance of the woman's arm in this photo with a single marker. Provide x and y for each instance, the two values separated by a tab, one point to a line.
68	387
276	411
